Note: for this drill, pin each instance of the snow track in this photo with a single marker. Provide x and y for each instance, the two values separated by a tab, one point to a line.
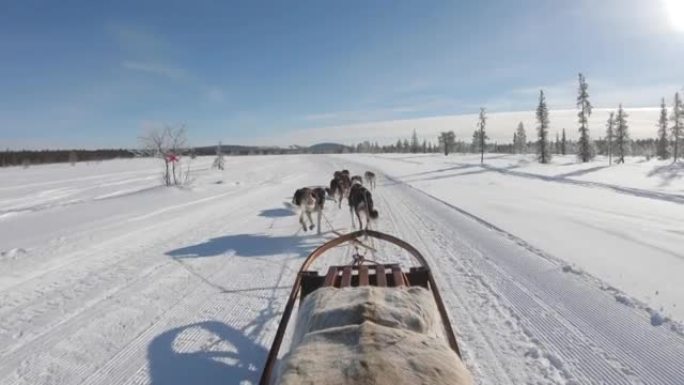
187	286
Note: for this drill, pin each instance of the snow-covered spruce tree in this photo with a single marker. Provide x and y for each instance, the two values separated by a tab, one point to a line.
475	144
481	125
584	149
219	161
415	145
521	145
515	141
446	140
677	126
556	147
399	146
543	152
610	134
662	143
563	143
621	135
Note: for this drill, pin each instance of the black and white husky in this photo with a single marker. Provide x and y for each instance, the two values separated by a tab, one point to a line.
309	200
361	201
339	187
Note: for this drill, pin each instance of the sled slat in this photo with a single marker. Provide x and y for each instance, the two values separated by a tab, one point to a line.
346	276
397	276
363	275
330	278
381	279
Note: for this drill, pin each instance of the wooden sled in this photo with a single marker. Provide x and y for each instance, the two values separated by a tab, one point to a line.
359	273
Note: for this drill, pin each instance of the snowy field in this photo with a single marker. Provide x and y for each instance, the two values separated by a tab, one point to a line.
558	274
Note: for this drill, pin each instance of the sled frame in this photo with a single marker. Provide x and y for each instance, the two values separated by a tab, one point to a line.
342	276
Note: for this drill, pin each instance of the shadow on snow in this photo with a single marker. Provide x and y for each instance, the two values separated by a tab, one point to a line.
276	213
668	173
231	358
245	245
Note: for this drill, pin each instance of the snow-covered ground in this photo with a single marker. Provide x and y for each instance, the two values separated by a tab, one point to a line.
560	274
623	224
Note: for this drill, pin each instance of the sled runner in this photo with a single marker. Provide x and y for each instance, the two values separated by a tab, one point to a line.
366	323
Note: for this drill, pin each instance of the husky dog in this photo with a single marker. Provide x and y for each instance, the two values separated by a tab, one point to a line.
356	179
370	179
309	200
339	186
361	201
335	191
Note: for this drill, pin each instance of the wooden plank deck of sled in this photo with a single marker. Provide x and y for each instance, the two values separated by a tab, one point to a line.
343	276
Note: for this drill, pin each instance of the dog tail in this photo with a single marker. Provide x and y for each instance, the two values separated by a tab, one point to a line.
372	212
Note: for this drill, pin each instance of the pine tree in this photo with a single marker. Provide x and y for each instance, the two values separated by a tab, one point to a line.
662	143
543	130
563	143
610	134
446	140
481	125
621	134
415	145
678	126
515	142
475	144
556	147
521	145
585	152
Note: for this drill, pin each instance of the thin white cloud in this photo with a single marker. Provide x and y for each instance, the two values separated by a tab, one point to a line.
155	68
383	113
500	127
139	41
355	116
603	94
215	94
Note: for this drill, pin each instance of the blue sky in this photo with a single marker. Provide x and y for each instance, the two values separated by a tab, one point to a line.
96	74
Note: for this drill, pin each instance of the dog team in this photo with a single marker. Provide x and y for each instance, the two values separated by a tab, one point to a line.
311	200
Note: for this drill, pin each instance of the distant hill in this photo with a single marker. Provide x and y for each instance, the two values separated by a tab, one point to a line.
328	148
229	149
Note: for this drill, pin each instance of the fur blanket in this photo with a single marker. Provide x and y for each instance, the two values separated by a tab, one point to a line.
370	335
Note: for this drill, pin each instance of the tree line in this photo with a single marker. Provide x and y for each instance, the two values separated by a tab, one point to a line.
28	157
616	143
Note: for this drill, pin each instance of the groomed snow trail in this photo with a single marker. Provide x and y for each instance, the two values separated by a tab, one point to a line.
187	286
515	309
